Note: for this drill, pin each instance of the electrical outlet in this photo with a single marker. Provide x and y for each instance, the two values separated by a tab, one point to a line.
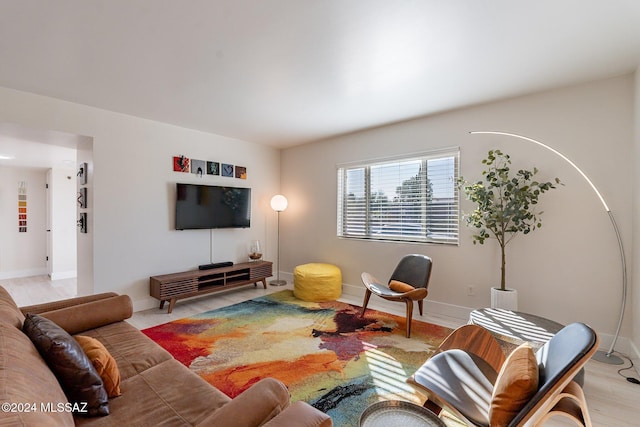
470	291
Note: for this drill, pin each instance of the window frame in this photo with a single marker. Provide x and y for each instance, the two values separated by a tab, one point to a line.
427	235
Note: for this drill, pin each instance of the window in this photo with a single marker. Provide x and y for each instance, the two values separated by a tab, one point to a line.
412	199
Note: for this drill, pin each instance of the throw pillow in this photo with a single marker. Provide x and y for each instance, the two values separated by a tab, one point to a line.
104	363
397	286
517	382
71	366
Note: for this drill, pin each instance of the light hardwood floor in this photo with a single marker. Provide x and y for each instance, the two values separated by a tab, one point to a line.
613	401
38	289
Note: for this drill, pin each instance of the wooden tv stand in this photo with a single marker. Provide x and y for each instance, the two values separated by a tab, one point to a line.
171	287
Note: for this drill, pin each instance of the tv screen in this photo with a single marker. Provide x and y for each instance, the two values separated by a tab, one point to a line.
208	206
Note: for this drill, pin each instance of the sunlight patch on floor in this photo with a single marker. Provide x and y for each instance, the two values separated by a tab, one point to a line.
389	377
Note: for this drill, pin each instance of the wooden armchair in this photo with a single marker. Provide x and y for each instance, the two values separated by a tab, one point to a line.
468	367
411	276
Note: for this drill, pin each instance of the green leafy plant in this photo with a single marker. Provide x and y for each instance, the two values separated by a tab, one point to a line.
506	204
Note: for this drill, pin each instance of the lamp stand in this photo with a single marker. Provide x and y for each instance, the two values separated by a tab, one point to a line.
278	282
600	355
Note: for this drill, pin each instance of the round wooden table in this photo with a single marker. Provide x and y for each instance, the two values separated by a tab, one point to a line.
516	327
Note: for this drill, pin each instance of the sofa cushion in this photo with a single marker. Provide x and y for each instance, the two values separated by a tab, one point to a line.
79	379
26	378
134	351
516	383
9	311
104	363
167	393
93	314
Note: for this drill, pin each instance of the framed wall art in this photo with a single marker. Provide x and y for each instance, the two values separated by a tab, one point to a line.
227	170
241	172
213	168
180	164
198	167
82	197
208	167
22	207
82	173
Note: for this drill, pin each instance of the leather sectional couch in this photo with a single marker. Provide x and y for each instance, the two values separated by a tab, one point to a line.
156	389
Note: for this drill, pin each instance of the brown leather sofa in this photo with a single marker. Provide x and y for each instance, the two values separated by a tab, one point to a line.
156	389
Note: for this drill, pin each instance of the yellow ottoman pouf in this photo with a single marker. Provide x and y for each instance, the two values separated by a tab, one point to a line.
317	282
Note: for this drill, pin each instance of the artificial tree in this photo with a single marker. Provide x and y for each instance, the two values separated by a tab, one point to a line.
505	204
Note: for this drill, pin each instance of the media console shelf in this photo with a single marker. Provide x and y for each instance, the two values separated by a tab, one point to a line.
175	286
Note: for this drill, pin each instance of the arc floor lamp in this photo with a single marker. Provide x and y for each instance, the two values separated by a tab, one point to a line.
601	356
278	204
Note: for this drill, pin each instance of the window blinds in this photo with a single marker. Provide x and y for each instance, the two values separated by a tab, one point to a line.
400	199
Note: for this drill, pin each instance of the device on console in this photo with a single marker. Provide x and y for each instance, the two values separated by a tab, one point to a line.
215	265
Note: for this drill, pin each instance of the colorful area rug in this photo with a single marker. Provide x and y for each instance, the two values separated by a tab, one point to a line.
325	353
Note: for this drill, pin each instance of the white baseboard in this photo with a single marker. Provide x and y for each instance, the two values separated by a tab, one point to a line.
63	275
634	354
145	304
23	273
623	344
433	307
288	277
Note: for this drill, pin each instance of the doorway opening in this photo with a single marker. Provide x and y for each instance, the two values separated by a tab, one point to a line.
50	248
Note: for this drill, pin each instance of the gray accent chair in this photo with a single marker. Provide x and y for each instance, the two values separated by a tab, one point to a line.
414	270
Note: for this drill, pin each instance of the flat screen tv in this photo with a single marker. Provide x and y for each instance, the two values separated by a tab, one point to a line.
209	206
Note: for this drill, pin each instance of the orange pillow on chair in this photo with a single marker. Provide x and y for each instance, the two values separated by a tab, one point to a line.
397	286
517	382
104	363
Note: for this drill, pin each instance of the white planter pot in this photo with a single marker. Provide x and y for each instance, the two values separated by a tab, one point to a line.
507	299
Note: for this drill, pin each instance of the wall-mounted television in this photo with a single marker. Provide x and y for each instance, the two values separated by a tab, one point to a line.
210	206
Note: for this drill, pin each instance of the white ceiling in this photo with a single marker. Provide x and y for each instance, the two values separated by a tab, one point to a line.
284	72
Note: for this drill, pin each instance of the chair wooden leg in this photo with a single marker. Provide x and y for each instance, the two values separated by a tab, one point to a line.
367	295
409	316
572	404
433	407
420	306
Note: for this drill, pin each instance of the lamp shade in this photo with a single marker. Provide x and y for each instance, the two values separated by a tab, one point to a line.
279	203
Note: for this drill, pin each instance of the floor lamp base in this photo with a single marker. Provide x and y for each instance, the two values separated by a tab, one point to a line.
278	282
604	357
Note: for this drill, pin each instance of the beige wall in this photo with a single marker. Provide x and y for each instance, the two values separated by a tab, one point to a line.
133	192
567	271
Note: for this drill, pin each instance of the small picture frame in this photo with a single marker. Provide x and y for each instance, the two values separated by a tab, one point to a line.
82	173
82	197
180	164
241	172
82	222
198	167
227	170
213	168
